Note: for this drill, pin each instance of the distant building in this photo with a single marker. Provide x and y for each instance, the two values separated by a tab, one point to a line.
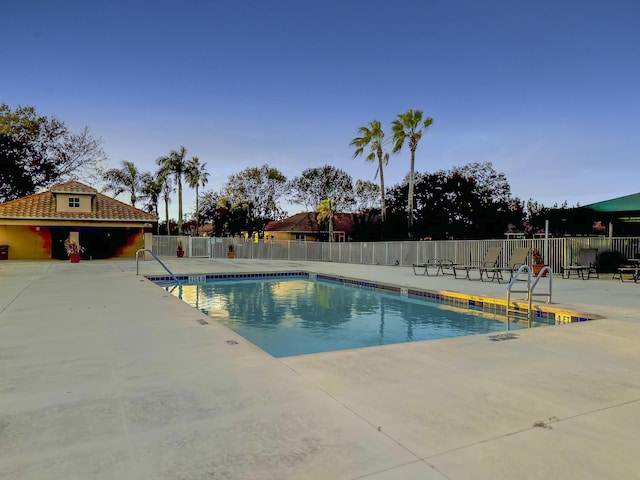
36	226
304	227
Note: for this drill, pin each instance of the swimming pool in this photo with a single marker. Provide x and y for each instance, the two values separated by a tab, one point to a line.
295	316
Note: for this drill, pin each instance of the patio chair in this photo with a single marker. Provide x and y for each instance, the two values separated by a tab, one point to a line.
586	263
422	268
489	263
519	257
442	266
630	268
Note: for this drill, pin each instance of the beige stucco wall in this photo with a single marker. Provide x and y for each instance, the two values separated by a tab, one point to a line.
148	244
136	242
26	242
29	242
286	236
62	202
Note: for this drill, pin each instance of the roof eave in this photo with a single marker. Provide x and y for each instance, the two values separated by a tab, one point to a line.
75	219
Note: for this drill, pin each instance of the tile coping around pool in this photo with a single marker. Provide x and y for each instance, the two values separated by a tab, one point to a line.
485	304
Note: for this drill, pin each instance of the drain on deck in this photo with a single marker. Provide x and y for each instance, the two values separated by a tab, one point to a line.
502	336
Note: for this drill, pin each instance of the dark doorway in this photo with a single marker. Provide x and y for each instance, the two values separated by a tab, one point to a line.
58	236
98	243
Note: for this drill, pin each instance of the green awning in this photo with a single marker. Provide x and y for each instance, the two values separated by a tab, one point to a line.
626	204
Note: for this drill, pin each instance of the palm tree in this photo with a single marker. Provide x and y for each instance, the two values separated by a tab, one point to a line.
196	175
166	191
410	126
151	189
175	164
125	179
373	136
326	211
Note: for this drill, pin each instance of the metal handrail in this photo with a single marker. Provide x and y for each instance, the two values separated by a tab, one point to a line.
544	269
530	289
159	261
510	289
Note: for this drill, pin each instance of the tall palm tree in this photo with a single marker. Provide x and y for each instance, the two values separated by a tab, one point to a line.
125	179
166	191
176	164
373	137
326	211
410	126
151	189
196	175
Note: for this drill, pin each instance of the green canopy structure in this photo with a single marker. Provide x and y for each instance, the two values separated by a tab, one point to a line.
624	211
629	204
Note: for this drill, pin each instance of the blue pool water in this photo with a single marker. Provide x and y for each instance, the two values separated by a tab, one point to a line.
287	317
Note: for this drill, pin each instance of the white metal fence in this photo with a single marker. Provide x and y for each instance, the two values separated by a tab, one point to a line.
557	251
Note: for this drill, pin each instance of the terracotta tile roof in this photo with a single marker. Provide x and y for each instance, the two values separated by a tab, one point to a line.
300	222
307	222
42	206
73	187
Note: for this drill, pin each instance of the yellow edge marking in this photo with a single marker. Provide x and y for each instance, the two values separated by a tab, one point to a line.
562	315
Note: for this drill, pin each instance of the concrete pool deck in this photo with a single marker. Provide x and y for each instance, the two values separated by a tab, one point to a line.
103	375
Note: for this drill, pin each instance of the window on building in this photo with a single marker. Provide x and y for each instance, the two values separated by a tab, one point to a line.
301	237
74	202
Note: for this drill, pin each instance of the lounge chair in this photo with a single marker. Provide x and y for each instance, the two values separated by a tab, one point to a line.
489	263
422	268
629	268
440	266
586	263
519	257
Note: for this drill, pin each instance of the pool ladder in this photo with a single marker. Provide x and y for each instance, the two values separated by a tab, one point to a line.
514	310
175	279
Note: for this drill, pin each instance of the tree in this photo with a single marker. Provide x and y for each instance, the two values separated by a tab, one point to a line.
151	189
490	184
318	184
126	179
37	151
235	217
195	176
326	211
367	195
451	205
79	156
166	189
366	226
410	126
208	209
18	177
260	189
373	137
175	164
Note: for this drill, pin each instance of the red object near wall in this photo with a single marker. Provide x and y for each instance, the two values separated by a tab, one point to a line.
74	258
536	270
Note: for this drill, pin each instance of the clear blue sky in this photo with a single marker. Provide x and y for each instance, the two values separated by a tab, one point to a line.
546	90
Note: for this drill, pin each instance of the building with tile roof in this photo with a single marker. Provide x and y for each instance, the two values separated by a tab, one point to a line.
304	227
35	227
